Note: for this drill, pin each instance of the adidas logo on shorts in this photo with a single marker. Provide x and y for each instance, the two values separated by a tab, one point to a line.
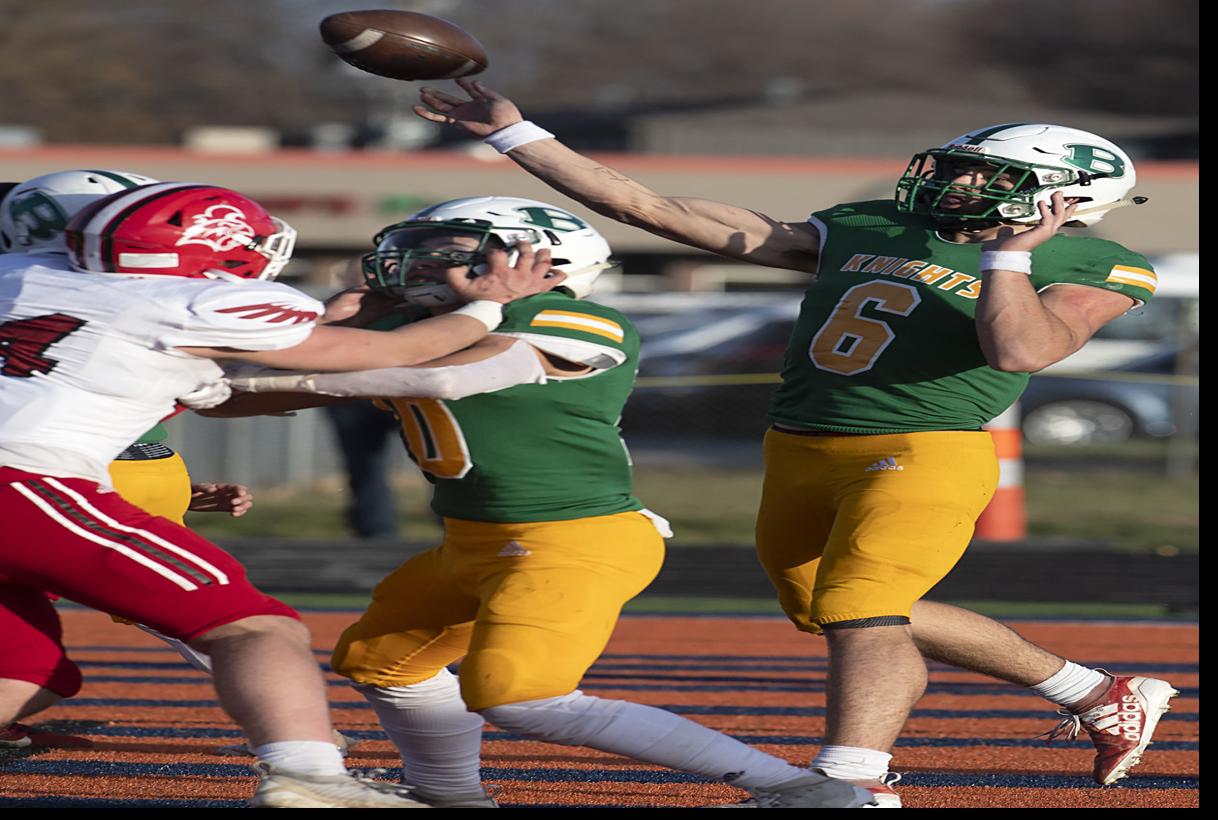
512	549
888	463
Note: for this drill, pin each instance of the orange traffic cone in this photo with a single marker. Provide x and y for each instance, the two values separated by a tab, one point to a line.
1006	518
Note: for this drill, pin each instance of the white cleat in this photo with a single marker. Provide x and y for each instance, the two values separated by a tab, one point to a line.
282	789
882	790
1121	724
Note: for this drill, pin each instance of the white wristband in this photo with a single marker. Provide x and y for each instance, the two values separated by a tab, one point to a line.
485	311
516	135
1018	261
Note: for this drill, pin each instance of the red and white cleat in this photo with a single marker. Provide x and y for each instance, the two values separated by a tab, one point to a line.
20	736
1120	724
885	796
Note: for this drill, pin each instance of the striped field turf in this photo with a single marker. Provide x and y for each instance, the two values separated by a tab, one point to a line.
971	741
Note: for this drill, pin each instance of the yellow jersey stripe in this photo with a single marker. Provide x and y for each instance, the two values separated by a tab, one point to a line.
617	337
579	321
1140	277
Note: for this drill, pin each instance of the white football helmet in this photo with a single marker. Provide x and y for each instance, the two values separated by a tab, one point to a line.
1033	161
577	249
33	215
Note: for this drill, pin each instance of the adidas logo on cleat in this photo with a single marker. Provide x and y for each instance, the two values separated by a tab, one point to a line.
889	463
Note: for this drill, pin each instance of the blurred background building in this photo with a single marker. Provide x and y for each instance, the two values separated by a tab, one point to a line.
780	105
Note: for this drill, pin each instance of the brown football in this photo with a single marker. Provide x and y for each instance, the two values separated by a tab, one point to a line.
403	45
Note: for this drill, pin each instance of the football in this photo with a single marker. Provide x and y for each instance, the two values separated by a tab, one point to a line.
403	45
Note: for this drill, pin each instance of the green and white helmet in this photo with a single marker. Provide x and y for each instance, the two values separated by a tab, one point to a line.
1033	160
33	215
577	249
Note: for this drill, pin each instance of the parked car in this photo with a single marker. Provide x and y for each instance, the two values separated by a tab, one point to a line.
1070	410
722	335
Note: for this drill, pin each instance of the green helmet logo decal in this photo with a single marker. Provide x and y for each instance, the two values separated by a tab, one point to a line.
37	216
552	219
1095	160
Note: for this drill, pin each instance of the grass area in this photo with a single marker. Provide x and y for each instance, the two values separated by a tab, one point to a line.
1139	513
1116	496
665	604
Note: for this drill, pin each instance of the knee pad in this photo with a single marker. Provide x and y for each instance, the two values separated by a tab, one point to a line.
569	719
440	689
402	708
493	677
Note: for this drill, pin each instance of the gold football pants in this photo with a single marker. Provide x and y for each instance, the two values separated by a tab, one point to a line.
160	486
856	527
529	606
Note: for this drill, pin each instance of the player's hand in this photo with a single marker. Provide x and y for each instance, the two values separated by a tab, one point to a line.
207	396
356	307
234	499
484	113
1053	215
505	282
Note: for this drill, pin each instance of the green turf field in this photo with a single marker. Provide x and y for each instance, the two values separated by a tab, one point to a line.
1118	497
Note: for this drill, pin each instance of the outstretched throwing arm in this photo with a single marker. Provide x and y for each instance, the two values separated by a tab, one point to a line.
724	229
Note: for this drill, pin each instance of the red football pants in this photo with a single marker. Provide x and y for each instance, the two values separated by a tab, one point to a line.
65	536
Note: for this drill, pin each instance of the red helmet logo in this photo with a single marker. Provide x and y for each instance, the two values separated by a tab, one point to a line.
180	229
220	227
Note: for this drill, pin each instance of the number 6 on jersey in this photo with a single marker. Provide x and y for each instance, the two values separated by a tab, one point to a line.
849	343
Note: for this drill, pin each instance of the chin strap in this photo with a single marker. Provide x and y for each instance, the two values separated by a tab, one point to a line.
1112	206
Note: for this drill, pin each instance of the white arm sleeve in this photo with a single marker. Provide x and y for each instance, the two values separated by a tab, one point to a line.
589	354
516	365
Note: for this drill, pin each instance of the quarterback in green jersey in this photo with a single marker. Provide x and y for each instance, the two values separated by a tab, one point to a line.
544	541
924	316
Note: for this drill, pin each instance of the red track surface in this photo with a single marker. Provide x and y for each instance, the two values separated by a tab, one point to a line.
966	746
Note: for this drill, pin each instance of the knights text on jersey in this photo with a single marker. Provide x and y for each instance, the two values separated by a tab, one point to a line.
535	452
89	361
886	342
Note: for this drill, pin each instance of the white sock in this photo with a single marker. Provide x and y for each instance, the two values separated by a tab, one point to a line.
439	739
302	756
644	733
852	762
1071	685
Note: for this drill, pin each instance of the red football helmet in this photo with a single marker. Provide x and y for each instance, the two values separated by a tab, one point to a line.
179	229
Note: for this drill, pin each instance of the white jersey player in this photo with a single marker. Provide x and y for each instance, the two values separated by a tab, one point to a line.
92	357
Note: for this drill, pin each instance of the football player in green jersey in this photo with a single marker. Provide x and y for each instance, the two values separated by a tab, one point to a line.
544	541
923	319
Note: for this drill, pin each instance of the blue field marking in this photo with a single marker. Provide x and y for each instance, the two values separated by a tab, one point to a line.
680	683
819	711
161	648
644	661
171	732
805	687
108	803
915	742
198	679
815	685
81	768
680	709
85	664
820	662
